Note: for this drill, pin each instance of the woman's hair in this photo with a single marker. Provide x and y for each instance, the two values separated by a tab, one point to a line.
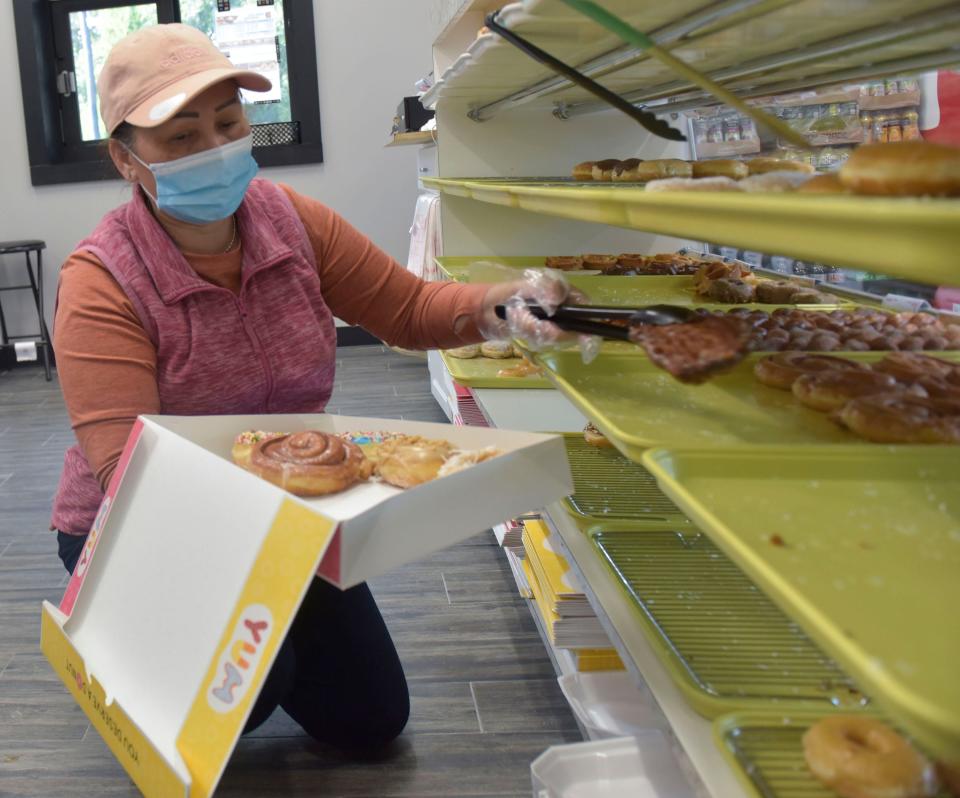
124	133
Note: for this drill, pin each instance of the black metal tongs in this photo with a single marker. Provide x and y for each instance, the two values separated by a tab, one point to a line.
599	320
648	120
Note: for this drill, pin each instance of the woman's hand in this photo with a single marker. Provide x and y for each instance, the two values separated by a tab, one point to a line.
547	288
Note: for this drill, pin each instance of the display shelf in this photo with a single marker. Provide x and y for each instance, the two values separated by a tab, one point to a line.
876	520
754	47
417	137
915	238
613	608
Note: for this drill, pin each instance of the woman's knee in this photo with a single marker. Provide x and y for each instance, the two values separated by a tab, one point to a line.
359	723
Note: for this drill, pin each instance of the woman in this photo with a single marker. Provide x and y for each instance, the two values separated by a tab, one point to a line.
214	293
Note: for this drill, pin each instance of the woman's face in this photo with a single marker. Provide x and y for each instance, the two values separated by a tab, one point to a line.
211	119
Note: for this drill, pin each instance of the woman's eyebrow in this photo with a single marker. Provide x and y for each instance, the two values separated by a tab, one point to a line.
228	103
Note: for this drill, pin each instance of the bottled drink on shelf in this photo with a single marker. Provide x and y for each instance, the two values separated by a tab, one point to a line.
911	126
880	127
894	128
866	123
782	265
731	128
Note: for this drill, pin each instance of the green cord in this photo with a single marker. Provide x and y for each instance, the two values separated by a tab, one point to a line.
612	23
639	39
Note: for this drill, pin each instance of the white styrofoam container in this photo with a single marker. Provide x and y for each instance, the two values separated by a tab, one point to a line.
609	704
622	767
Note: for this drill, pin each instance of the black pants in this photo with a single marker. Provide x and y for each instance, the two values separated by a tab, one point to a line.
337	673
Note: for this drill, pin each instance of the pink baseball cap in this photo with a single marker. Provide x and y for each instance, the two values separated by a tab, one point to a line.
152	73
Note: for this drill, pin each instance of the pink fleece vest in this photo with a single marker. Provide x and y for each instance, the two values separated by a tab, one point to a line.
270	349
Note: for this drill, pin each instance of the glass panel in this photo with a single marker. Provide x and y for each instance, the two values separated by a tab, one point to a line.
93	33
251	34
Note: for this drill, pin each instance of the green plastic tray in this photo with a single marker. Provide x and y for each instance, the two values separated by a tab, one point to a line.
765	750
639	406
867	560
635	291
608	486
916	238
726	645
481	372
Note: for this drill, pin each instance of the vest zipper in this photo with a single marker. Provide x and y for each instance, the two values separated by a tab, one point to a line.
258	345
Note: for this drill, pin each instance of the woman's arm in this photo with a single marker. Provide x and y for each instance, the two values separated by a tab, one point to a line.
106	362
363	285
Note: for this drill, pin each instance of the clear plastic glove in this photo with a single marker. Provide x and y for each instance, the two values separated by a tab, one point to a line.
547	288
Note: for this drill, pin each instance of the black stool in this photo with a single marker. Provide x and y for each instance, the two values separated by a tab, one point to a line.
36	286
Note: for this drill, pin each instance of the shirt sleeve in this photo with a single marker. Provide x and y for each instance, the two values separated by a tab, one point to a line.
363	285
106	362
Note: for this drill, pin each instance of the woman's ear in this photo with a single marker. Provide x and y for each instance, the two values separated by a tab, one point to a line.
120	156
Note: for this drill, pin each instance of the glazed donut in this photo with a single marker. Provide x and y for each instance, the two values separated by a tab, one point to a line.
776	292
908	366
594	437
760	166
780	370
603	170
623	170
905	169
722	167
901	418
583	171
405	463
464	352
564	263
694	184
244	442
830	390
824	184
309	463
860	757
601	262
658	169
462	460
774	182
497	350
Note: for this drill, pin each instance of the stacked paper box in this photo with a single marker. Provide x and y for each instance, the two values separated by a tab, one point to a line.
566	613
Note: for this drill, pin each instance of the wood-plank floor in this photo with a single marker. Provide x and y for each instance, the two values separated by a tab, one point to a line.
483	694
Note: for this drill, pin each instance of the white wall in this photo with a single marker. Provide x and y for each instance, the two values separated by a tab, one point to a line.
369	53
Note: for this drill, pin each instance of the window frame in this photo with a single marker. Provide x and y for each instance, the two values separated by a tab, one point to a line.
54	159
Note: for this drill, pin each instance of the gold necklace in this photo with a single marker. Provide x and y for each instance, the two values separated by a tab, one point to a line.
233	238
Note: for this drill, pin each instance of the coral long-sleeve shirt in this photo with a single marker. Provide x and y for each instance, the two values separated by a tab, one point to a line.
107	363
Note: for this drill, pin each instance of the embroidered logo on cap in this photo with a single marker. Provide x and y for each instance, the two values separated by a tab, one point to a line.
164	107
181	54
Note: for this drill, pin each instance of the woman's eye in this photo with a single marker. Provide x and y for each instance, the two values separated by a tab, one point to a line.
228	125
180	137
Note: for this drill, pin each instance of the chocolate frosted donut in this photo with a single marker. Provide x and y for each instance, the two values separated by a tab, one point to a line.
310	463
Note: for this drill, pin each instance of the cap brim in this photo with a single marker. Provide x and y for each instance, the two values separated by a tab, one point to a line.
160	107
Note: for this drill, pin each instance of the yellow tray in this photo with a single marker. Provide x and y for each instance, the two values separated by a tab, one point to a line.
724	643
916	238
765	750
870	562
638	405
629	291
457	268
481	372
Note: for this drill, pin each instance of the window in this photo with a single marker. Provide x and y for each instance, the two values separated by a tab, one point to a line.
63	44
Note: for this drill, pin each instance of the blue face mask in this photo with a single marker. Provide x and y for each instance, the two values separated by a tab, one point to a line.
207	186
